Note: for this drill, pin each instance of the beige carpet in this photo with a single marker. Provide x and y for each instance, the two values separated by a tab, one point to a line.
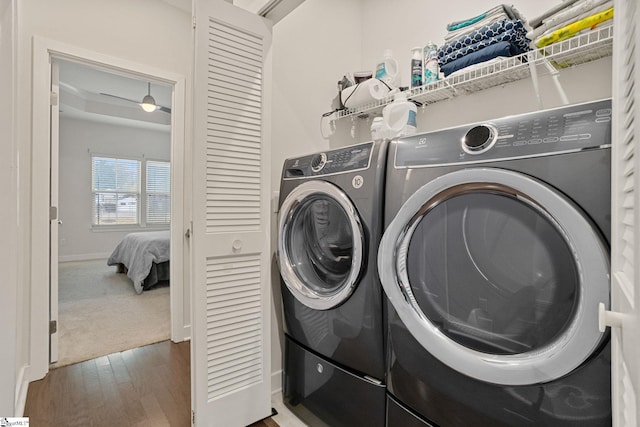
100	313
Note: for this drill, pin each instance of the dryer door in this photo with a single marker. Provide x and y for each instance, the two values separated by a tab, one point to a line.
497	275
320	244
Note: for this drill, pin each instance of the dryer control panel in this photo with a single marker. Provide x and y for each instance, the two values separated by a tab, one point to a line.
347	159
560	130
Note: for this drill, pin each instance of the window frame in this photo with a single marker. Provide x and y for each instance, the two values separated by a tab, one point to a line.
142	207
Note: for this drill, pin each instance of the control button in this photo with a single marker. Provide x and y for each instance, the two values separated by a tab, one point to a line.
535	141
479	139
318	161
603	119
603	112
550	139
569	138
584	136
519	143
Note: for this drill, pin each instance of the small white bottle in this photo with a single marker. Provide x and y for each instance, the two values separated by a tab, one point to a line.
376	129
416	67
399	117
387	69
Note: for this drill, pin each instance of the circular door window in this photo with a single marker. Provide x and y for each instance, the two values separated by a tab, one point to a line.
497	275
320	243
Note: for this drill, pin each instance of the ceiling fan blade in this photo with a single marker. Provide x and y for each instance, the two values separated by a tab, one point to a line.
160	107
120	97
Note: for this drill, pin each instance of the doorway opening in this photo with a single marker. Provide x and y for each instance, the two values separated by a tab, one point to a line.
44	215
113	165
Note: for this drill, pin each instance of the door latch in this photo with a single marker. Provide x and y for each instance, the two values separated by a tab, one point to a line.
612	319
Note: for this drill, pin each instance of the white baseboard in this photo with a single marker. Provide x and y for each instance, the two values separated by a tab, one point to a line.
184	336
83	257
22	387
276	381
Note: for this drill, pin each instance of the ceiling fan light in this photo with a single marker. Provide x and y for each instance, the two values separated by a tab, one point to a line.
149	104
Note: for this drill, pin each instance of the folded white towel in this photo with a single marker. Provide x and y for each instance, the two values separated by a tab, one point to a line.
537	21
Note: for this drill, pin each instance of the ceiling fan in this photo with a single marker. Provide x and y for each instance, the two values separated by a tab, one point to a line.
148	103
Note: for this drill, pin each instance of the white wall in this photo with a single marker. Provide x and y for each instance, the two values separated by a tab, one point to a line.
78	139
8	216
116	28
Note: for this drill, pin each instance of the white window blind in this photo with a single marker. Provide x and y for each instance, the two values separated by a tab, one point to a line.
158	192
116	191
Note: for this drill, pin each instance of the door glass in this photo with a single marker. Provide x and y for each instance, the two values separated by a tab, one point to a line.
320	244
493	273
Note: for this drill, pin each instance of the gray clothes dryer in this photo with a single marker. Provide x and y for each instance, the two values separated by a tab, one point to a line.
329	228
494	260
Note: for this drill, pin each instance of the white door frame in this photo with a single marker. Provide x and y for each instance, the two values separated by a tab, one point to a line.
43	51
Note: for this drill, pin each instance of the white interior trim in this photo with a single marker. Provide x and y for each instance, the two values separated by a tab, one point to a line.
275	10
276	381
22	387
43	50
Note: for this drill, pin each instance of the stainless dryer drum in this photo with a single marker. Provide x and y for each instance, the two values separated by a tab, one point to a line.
320	244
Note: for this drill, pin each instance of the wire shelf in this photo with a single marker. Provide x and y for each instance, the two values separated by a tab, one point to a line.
590	46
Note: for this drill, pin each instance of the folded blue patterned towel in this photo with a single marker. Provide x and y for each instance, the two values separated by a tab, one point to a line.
499	49
508	30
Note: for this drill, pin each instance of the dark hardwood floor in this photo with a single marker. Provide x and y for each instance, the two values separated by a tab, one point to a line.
145	386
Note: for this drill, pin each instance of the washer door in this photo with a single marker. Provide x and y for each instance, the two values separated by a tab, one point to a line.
320	244
497	275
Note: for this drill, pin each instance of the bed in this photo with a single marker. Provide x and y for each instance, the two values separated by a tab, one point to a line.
144	257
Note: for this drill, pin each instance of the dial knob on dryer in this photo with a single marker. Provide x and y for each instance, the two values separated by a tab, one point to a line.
318	161
479	139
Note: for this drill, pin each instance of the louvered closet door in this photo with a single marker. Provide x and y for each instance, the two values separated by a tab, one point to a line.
231	341
625	292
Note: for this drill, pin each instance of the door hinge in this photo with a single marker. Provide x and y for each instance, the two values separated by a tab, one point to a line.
53	213
54	98
193	417
53	327
193	21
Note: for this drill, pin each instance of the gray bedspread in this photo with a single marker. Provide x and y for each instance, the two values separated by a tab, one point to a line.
138	251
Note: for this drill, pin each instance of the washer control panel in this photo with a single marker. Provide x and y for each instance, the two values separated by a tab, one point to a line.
547	132
347	159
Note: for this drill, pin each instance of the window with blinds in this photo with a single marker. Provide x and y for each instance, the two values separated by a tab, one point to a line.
158	191
115	190
130	192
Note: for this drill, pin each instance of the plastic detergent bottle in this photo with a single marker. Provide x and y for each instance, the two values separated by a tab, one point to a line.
416	67
387	69
376	129
431	68
399	117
